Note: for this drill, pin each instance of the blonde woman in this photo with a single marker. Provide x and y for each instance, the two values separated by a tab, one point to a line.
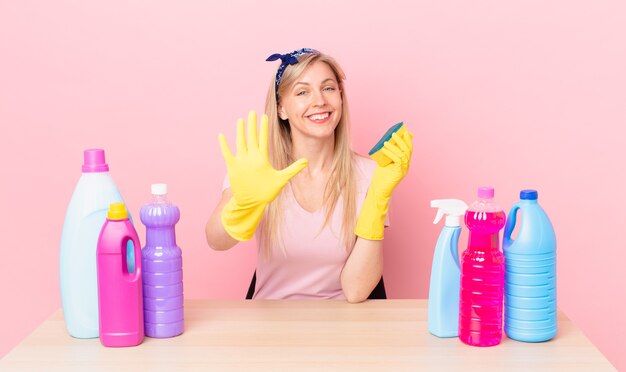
318	209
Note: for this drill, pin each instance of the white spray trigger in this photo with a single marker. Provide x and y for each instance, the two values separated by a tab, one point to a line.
452	208
438	216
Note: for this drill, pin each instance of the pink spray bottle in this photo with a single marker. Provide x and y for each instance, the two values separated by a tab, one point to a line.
120	297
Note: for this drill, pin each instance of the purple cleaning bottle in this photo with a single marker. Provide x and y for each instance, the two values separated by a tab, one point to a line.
162	267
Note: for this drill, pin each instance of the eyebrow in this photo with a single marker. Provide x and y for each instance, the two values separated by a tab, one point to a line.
325	80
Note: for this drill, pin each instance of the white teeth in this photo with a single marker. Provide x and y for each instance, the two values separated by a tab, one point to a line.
319	116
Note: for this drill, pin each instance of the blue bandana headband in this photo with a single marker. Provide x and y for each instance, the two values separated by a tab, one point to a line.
286	60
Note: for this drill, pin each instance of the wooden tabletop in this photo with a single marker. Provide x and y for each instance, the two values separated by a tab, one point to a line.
290	335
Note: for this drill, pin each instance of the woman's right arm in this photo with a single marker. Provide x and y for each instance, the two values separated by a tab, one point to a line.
254	183
216	236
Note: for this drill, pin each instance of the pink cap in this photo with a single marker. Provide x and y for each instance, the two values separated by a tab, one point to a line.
94	161
485	192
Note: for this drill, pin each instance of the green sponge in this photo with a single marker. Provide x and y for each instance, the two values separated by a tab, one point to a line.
375	152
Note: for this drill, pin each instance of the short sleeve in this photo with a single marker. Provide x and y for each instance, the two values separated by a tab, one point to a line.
226	183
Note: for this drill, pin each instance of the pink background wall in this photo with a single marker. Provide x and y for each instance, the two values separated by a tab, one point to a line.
511	94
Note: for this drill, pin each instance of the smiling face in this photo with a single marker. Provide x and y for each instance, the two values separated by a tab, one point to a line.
313	104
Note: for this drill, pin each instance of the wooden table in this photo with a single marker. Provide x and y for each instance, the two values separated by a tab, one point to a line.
294	335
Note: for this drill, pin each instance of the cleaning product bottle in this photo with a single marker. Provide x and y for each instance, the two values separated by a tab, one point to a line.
530	277
120	298
482	273
163	267
86	213
445	276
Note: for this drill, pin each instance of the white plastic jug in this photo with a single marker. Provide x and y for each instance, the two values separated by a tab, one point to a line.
86	213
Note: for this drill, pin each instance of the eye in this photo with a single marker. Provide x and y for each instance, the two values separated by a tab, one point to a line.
329	89
301	93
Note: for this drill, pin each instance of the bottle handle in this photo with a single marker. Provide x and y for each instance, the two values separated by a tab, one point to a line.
510	226
137	257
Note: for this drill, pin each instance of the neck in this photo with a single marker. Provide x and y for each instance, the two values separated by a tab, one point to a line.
319	153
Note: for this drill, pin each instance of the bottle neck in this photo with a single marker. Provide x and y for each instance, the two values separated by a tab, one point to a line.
483	241
528	201
161	236
158	199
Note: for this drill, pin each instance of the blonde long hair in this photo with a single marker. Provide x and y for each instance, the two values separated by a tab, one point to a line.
341	183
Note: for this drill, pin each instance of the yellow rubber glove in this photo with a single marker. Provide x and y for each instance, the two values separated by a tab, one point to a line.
371	222
254	181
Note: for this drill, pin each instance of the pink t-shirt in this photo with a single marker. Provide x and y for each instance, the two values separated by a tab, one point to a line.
311	266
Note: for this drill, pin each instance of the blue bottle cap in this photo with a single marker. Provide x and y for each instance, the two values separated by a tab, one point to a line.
528	195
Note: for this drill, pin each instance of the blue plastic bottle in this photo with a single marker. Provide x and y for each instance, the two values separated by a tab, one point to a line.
445	276
530	273
86	213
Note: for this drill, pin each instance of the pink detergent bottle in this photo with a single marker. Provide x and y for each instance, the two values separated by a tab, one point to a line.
482	273
120	298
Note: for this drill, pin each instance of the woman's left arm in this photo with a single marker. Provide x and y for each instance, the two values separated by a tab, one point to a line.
362	270
364	266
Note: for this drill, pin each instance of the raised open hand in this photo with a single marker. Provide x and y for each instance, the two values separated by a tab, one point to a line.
254	181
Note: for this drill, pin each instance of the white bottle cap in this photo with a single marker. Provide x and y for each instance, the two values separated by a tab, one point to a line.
453	221
159	189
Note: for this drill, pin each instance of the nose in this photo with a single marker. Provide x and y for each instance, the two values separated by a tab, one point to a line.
318	98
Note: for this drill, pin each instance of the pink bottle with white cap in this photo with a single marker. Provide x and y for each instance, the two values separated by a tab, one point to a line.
482	273
120	296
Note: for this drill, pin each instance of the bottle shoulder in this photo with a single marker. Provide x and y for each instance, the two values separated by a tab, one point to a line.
535	231
114	234
159	214
484	205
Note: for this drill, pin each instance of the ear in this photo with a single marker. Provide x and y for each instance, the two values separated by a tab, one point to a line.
281	113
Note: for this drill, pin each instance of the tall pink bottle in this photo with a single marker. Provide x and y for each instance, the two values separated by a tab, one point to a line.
120	297
482	273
